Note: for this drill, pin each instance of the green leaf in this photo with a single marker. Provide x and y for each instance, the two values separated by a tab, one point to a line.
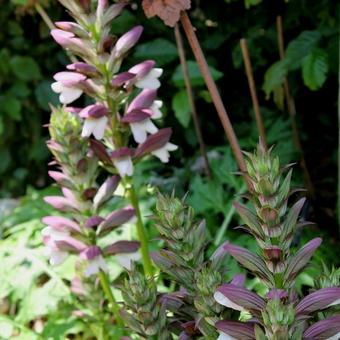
160	50
298	48
11	106
181	106
275	76
195	74
5	157
314	69
45	95
25	68
249	3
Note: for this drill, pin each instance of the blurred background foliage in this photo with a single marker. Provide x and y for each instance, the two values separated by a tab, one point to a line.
29	58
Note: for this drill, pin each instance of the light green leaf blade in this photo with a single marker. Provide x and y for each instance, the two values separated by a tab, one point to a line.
161	50
181	107
314	69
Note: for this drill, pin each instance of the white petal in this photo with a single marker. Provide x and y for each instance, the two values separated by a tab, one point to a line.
57	257
336	302
223	300
334	337
92	268
124	166
150	126
148	83
69	95
224	336
55	234
156	72
171	147
102	264
99	129
125	260
155	108
88	127
57	87
162	154
139	132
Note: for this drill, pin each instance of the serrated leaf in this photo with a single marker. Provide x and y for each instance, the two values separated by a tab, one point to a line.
25	68
194	73
161	50
275	76
314	69
181	106
301	46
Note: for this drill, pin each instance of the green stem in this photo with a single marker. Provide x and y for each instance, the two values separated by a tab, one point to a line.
142	235
227	220
104	281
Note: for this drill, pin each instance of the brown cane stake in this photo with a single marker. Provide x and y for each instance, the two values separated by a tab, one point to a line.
292	113
252	88
215	96
188	86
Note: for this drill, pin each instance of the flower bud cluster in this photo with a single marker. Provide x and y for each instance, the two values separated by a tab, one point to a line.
112	117
82	223
280	314
183	259
144	312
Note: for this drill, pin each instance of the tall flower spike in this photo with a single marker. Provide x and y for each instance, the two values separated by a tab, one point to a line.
96	74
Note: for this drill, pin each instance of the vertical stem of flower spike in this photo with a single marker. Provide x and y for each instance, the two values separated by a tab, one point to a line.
142	235
292	113
188	86
252	88
104	281
215	96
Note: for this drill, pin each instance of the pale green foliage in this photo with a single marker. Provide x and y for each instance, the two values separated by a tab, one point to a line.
301	52
315	68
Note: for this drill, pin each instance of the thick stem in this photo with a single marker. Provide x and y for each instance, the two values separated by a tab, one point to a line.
215	96
182	57
292	113
142	236
104	281
252	88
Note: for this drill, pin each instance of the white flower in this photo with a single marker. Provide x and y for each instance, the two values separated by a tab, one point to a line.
67	94
95	126
57	257
150	80
224	336
124	165
223	300
163	153
140	130
67	85
125	260
95	265
55	234
334	337
155	108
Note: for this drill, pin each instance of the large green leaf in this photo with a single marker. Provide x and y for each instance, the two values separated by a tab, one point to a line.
180	104
315	68
11	106
161	50
25	68
195	74
275	76
301	46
